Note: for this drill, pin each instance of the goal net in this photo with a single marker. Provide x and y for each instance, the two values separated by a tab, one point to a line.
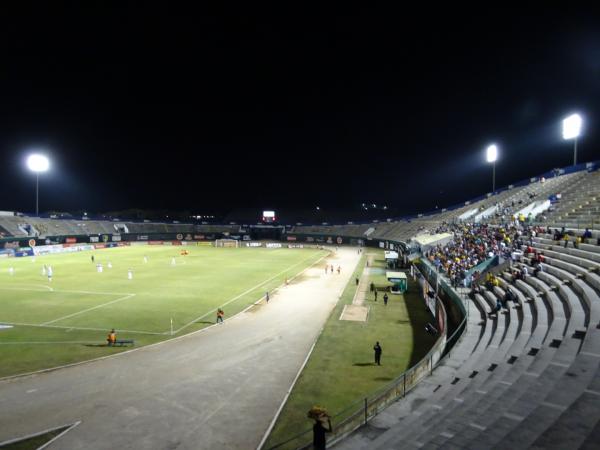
227	243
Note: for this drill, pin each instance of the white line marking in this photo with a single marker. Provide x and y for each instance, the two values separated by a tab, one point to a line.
291	388
246	292
89	309
48	342
59	435
79	328
30	391
39	433
287	394
65	290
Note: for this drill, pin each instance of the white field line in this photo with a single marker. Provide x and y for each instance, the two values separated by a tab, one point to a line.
246	292
59	435
77	328
120	299
48	342
63	290
39	433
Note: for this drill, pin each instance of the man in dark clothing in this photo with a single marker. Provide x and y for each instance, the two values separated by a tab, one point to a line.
378	351
319	434
385	298
357	281
375	295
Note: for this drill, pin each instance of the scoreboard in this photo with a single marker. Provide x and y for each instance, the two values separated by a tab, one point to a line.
269	216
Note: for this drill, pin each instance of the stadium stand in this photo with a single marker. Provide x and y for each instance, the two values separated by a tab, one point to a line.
525	377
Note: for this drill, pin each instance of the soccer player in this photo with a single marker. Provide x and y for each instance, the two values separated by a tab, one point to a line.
49	273
173	261
130	274
109	265
11	270
145	259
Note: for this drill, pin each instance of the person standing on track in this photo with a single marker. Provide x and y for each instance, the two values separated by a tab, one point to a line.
267	297
220	315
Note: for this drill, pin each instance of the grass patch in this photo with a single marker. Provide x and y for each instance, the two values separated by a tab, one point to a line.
341	369
67	320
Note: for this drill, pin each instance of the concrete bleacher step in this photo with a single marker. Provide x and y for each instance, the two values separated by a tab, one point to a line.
496	360
518	362
570	387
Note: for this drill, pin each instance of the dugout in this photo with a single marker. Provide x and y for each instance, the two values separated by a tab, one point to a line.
391	259
399	282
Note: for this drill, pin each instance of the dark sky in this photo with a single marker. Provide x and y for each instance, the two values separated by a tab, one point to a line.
152	107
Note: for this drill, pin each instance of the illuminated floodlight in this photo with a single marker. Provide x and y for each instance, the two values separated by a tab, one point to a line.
492	153
572	130
38	163
572	126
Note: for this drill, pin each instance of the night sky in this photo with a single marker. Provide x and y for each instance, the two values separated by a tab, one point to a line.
166	108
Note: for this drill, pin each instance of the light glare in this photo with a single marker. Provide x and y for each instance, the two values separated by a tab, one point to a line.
492	153
572	126
38	163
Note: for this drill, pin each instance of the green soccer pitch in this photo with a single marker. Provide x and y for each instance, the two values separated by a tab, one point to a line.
67	320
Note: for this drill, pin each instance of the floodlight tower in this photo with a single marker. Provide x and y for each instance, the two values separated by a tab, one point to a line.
37	163
572	130
492	156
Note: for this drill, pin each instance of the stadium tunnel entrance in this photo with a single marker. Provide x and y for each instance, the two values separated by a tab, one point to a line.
267	232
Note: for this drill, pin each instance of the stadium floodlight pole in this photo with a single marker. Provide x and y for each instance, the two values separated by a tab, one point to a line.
492	156
37	163
572	130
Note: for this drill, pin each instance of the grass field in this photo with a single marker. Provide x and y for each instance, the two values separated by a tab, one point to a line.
67	320
340	371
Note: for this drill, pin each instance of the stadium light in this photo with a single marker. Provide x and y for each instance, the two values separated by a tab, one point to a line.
572	130
492	155
37	163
